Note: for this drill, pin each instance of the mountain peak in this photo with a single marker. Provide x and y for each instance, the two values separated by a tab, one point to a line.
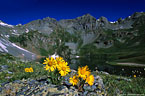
137	14
49	19
103	19
87	15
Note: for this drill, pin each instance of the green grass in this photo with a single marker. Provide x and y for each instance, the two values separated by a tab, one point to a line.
115	83
112	82
17	68
43	52
131	57
139	60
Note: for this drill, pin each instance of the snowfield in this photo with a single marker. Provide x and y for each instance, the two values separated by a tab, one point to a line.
13	49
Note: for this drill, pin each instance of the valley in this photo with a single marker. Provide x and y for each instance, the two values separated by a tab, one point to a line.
115	49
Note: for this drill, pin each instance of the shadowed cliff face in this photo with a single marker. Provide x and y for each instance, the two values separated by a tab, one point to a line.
48	35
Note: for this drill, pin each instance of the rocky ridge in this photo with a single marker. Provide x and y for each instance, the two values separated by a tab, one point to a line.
39	36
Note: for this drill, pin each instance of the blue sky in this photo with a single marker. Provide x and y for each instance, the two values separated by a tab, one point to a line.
23	11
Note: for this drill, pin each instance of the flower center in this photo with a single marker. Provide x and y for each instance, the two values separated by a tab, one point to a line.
63	68
50	63
82	72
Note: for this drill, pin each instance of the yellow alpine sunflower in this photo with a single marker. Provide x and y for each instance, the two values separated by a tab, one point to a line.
26	69
50	64
74	80
29	69
90	80
84	72
63	68
59	60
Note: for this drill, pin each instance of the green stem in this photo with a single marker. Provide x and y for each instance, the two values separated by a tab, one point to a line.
81	85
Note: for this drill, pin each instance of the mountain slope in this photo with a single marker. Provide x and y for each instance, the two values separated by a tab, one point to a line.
48	36
11	48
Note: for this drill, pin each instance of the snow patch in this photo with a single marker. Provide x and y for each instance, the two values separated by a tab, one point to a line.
20	48
7	25
27	30
3	46
5	42
98	19
1	50
7	36
19	25
15	30
112	22
16	34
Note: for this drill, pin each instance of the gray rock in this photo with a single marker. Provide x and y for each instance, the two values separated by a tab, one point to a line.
87	88
0	89
29	87
32	82
106	73
3	84
85	93
17	81
93	87
92	94
10	72
4	67
67	83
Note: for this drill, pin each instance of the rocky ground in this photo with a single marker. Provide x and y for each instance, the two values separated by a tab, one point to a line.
14	81
37	83
41	87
